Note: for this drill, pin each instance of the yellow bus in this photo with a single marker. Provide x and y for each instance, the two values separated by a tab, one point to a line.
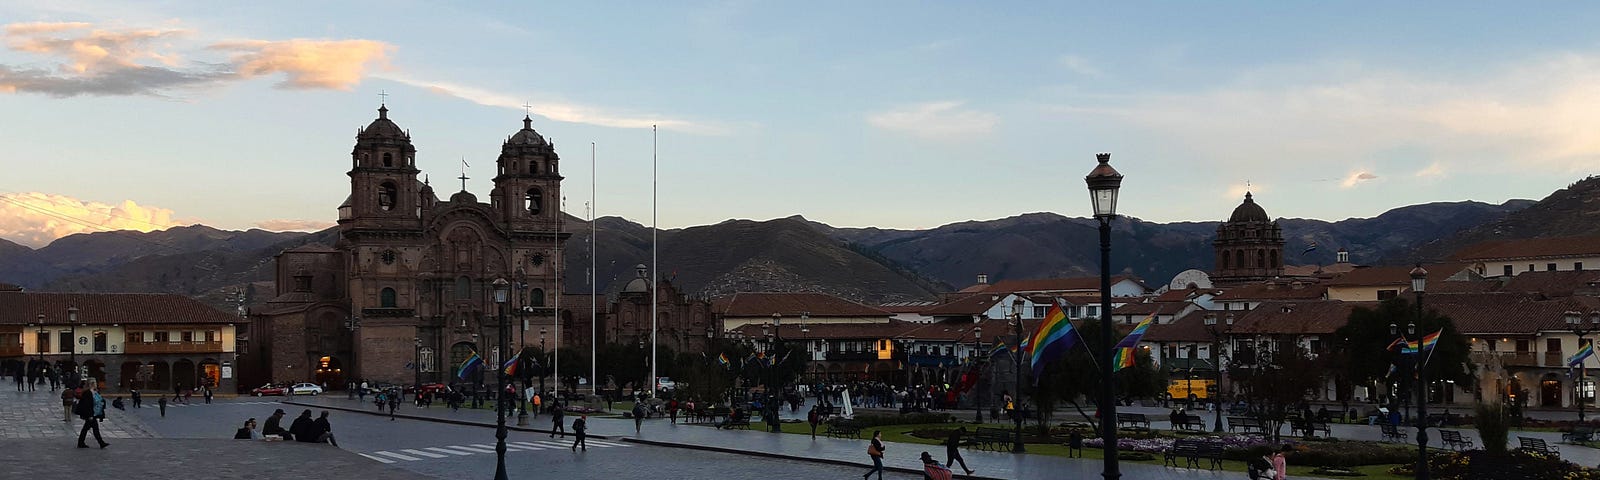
1196	389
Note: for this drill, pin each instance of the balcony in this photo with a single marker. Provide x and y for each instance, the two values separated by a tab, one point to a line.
132	348
1506	359
12	350
1554	359
838	355
928	360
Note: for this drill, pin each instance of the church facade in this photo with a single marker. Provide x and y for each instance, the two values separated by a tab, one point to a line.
1248	247
406	292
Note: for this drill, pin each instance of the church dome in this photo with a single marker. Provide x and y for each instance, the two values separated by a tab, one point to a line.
526	136
382	127
639	284
1249	211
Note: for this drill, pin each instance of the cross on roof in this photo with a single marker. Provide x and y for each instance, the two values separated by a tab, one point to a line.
527	107
384	95
464	176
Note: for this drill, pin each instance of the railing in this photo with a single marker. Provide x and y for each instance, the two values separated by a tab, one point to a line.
13	350
171	347
1554	359
1509	359
837	355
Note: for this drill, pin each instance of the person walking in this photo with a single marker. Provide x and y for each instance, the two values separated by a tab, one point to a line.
55	380
1280	465
952	451
555	417
538	402
812	418
137	402
324	430
91	408
394	402
207	392
875	450
68	397
638	417
580	429
162	402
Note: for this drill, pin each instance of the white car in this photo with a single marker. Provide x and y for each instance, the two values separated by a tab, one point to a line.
306	389
665	384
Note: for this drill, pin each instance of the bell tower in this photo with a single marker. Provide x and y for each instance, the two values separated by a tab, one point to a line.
1249	246
384	192
527	182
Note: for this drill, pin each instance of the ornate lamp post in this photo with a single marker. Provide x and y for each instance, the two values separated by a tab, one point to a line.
1016	413
1104	182
416	363
977	389
541	364
1419	284
1216	363
1575	323
501	289
521	285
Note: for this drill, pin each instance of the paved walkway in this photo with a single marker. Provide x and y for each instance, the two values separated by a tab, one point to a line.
168	458
28	415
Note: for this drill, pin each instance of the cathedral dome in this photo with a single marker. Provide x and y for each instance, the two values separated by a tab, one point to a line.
1249	211
639	284
526	136
382	127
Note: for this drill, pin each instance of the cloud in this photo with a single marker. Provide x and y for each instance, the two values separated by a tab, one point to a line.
560	111
1432	170
1079	65
88	60
35	219
281	225
936	120
1356	178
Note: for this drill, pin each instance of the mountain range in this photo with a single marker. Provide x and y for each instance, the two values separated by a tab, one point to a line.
795	254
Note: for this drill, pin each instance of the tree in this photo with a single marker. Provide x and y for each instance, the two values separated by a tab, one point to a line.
1077	375
1277	379
1365	339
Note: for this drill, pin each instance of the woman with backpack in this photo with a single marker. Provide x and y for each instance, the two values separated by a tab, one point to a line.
875	450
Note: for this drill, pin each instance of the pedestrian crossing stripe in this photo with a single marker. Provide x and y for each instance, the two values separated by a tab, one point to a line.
452	452
380	459
422	453
407	458
412	455
472	449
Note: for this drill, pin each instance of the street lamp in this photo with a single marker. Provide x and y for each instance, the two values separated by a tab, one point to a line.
541	364
977	393
1016	410
501	289
416	362
1419	284
1575	323
1216	362
1104	182
521	285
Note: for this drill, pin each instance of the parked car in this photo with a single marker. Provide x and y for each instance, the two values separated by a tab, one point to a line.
307	389
269	389
665	384
426	388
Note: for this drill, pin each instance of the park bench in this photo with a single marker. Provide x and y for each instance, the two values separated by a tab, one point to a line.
1192	451
1237	409
843	429
827	412
1454	440
993	439
1212	451
1247	424
1578	434
1392	432
1537	445
1137	420
741	422
1309	428
1188	422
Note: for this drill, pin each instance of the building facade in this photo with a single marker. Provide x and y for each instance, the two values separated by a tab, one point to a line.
1249	246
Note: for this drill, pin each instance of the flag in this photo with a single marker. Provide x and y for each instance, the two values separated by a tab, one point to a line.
1397	343
511	365
1429	340
785	357
1583	353
722	358
1051	340
472	362
1411	348
998	347
1311	247
1027	345
761	359
1125	354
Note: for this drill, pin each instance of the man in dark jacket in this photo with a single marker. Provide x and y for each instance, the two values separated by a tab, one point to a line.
304	428
91	408
580	427
274	426
324	430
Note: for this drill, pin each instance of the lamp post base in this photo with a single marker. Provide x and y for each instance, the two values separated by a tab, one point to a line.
522	418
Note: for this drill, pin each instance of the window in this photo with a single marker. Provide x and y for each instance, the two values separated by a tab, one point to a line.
534	201
386	196
1522	345
65	343
1091	311
533	167
188	336
1507	271
1387	294
388	160
213	336
44	342
1530	267
386	298
463	287
1492	343
1552	345
883	344
135	337
163	336
1577	266
1261	258
1549	267
1040	312
1316	345
100	340
537	297
1226	259
1238	259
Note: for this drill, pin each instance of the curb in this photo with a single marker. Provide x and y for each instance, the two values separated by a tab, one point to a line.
436	419
780	456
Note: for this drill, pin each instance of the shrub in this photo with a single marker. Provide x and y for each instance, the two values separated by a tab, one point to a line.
1350	454
869	421
1493	427
1478	464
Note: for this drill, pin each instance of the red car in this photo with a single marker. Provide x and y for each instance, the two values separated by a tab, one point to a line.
270	389
426	388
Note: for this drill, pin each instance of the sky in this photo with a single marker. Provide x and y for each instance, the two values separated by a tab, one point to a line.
889	114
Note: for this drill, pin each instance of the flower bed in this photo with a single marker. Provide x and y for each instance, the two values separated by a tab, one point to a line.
1240	447
1478	464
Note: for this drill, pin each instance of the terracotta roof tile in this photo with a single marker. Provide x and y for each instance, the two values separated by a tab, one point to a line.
1047	284
1274	291
1529	248
1379	276
21	308
968	305
6	287
1555	284
1188	328
761	304
907	307
874	330
1309	318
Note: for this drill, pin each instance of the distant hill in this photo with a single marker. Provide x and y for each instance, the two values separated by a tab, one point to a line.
1571	211
88	254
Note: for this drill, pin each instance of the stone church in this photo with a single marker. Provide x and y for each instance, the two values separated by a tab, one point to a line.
406	291
1249	246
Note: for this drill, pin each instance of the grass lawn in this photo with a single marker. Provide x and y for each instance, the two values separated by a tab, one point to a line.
901	434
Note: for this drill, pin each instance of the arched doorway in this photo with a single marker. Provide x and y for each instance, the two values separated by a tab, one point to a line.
160	376
458	355
330	372
96	370
1550	390
183	377
210	373
130	376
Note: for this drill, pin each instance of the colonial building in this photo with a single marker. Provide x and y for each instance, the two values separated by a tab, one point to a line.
157	342
683	323
411	281
1249	246
1506	258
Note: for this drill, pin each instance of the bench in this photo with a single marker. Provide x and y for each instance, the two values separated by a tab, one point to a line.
1192	451
1247	424
1392	432
1453	440
993	439
741	422
1309	428
1578	434
1537	445
1137	420
843	430
1188	422
827	412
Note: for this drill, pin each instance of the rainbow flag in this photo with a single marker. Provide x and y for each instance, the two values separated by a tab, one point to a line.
999	347
1411	348
1583	354
472	362
722	358
1125	354
1027	346
1397	343
1053	339
1429	340
510	366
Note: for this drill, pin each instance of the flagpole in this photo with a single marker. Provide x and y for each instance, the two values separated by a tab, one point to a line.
561	206
594	302
654	276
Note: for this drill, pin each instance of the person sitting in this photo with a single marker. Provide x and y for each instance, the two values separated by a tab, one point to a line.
324	430
303	428
273	430
248	431
932	470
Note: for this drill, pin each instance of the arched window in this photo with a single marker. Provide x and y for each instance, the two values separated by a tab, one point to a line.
533	167
1261	259
534	201
1227	260
386	298
386	195
388	160
1238	259
463	288
1277	258
537	298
